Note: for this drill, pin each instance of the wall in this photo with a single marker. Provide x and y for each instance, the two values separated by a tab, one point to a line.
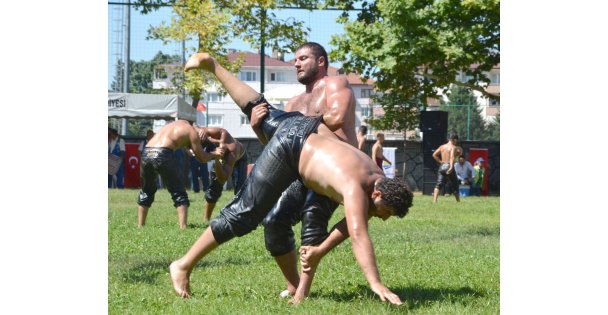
408	156
409	159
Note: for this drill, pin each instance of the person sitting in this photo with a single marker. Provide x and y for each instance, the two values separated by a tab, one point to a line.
464	171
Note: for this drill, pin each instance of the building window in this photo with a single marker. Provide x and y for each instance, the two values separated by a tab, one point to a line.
366	93
494	102
213	97
244	120
160	73
247	76
277	76
215	121
461	77
367	111
495	78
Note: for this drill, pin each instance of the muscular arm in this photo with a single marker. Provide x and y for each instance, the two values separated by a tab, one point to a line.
339	100
258	113
356	206
197	149
437	154
224	170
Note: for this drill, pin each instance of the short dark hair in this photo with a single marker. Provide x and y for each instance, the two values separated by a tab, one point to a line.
453	136
363	129
397	194
316	50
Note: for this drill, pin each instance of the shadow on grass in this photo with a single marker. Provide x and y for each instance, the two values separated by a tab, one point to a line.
413	297
148	272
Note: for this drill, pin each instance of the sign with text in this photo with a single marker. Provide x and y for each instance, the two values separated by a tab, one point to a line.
389	169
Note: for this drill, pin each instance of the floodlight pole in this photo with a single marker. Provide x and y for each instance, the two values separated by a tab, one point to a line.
125	87
262	50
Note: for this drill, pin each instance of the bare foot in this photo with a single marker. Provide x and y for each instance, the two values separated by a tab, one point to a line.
294	301
180	279
200	61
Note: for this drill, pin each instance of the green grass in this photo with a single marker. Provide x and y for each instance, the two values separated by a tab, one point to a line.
440	259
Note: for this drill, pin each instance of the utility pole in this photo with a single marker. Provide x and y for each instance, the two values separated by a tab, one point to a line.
262	52
127	57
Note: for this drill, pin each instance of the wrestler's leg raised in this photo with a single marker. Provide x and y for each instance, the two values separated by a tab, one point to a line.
240	92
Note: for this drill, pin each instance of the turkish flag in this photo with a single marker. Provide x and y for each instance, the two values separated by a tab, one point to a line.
201	107
132	160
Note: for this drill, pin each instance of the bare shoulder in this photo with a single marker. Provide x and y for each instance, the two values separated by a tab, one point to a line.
336	82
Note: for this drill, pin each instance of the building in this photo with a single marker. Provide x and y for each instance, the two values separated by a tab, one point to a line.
280	85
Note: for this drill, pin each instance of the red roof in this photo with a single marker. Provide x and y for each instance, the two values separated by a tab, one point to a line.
253	60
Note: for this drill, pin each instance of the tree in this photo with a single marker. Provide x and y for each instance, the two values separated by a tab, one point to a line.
493	128
416	48
212	23
142	74
464	114
140	81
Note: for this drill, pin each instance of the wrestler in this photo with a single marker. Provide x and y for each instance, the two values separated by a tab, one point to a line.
445	155
233	163
331	97
158	159
301	148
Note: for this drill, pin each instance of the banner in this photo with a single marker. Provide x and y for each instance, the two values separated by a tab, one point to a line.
389	169
132	160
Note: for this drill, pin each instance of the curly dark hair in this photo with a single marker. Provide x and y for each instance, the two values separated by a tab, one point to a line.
397	194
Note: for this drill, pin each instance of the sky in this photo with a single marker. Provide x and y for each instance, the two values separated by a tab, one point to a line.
322	24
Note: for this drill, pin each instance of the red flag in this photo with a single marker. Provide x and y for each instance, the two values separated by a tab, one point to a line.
132	161
201	107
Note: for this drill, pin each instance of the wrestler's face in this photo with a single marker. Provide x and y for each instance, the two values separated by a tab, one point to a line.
382	210
307	66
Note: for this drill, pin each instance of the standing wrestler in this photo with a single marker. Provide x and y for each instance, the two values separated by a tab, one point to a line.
242	94
377	151
302	147
331	97
445	156
158	159
233	163
361	133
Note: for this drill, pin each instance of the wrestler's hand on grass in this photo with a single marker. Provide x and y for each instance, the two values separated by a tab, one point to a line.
310	256
258	113
385	294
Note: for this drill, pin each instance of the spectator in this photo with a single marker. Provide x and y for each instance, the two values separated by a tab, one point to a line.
361	137
149	135
377	153
116	146
464	171
478	178
198	171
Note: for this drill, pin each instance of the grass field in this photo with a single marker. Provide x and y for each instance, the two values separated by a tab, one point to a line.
440	259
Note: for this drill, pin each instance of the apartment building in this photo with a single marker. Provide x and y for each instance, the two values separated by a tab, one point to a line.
280	85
